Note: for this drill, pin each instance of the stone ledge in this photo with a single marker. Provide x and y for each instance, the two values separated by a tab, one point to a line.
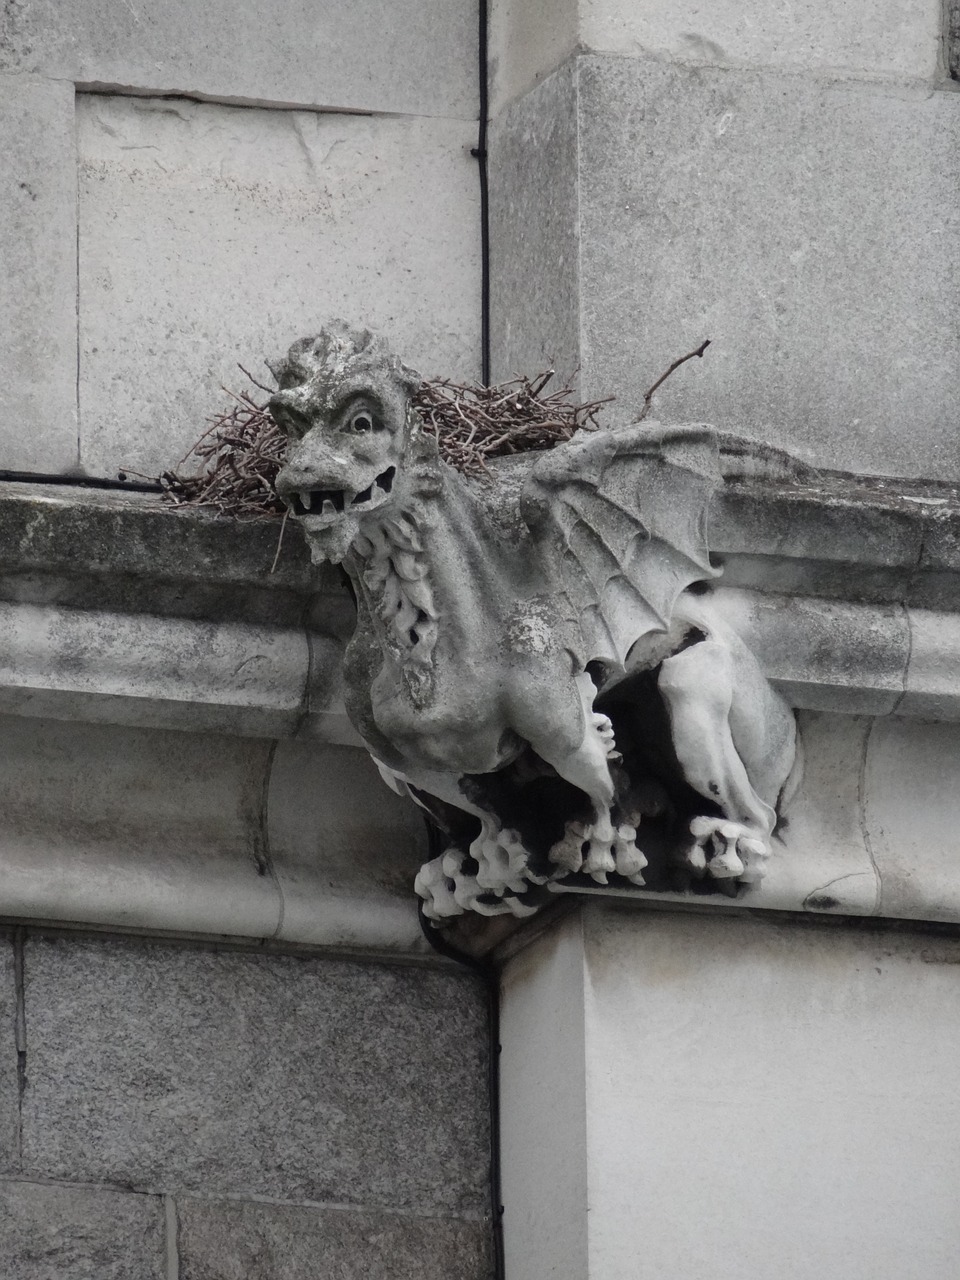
175	756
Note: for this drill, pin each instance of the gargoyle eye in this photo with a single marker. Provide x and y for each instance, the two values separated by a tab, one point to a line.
362	421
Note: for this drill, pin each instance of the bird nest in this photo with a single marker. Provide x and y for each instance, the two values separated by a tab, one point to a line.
234	464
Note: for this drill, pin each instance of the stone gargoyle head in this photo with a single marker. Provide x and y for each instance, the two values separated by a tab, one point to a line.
344	401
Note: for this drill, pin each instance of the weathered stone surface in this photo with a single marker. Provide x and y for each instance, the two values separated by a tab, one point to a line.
211	234
953	39
933	675
344	848
172	673
38	260
134	828
818	1067
251	1074
9	1085
892	40
279	1242
78	1233
409	57
911	801
825	655
800	224
526	43
534	233
895	38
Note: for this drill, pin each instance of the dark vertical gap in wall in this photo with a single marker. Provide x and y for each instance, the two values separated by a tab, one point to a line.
20	1030
479	152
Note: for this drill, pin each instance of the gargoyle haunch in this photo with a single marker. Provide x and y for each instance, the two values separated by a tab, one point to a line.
535	660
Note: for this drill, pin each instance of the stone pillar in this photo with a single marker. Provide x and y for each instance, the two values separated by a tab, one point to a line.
783	183
730	1098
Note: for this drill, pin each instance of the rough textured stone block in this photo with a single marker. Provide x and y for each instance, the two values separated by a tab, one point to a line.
38	265
77	1233
9	1085
277	1076
911	806
820	1068
408	56
535	227
280	1242
808	228
132	827
330	816
892	38
212	234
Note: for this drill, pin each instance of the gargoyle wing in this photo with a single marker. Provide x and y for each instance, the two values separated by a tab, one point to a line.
620	519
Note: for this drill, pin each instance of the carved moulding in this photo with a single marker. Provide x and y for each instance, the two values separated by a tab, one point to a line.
536	661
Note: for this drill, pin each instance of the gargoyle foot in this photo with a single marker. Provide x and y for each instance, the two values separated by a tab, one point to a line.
725	850
502	861
447	889
599	849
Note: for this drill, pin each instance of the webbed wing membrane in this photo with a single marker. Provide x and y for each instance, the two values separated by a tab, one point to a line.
620	519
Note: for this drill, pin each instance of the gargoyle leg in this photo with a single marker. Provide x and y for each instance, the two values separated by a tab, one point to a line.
600	847
698	688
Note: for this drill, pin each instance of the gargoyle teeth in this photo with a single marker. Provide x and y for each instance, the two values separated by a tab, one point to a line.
328	508
305	498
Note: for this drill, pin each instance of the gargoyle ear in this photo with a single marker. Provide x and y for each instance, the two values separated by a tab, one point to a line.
408	378
276	367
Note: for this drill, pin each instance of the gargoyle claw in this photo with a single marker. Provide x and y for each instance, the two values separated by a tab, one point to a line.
726	851
604	728
447	890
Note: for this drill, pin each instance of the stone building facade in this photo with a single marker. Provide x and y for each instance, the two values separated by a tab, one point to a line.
227	1050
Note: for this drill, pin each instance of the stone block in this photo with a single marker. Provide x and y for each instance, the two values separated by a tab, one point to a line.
527	42
79	1233
911	806
895	38
892	40
249	1074
534	233
176	673
211	235
406	57
824	655
807	227
134	828
281	1242
9	1084
38	260
331	818
818	1067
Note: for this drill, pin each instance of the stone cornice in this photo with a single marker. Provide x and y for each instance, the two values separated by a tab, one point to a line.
127	617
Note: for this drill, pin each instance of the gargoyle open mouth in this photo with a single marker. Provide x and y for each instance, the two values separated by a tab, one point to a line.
331	502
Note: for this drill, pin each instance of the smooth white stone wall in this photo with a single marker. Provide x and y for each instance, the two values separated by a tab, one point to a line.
760	1099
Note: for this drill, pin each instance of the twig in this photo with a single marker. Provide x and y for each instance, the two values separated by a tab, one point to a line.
664	376
268	390
283	525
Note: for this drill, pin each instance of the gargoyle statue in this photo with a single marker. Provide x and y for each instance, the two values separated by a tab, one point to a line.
535	661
